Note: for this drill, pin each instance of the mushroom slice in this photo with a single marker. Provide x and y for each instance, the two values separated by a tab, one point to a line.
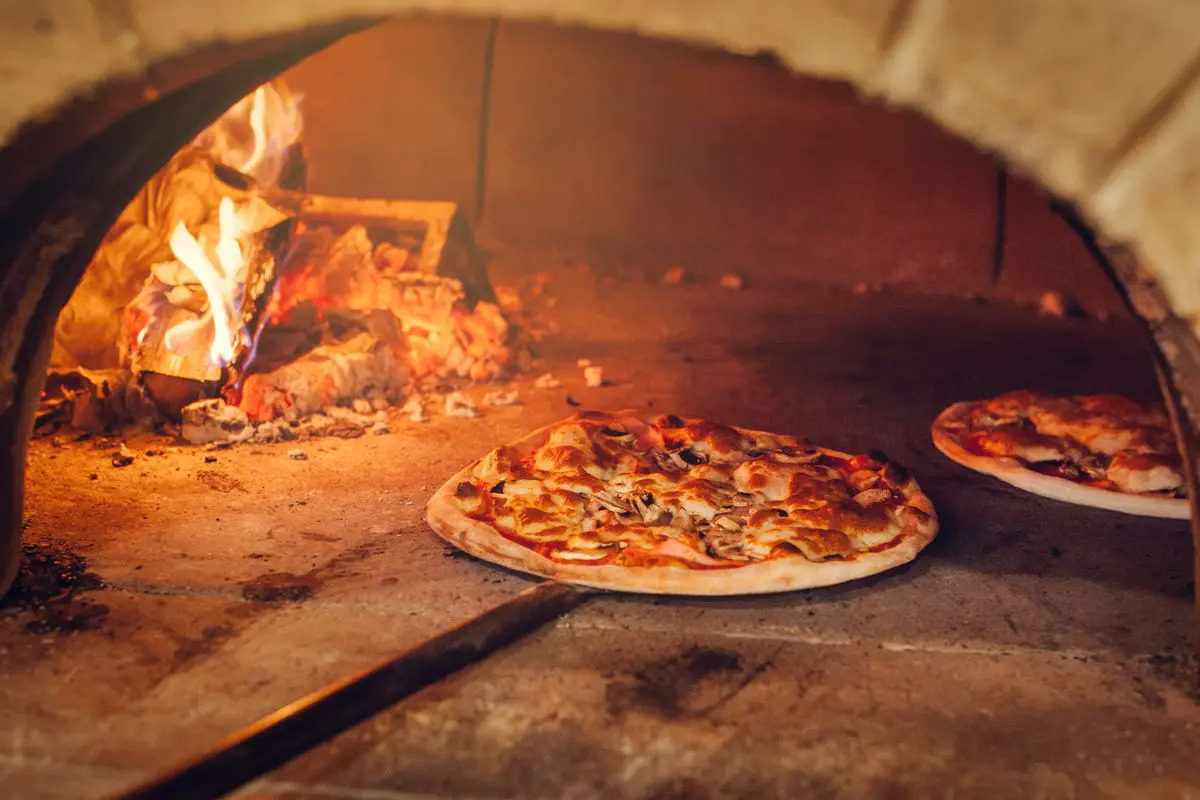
611	503
870	497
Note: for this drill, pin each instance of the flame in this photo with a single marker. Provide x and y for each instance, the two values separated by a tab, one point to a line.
254	134
222	283
258	115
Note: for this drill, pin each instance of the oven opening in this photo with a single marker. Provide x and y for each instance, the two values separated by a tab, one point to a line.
340	279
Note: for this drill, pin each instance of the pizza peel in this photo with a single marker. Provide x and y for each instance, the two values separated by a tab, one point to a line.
296	728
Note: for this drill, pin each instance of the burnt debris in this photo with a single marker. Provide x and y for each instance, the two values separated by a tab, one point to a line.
45	596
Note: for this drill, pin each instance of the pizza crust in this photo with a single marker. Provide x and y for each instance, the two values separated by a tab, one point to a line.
1013	472
764	577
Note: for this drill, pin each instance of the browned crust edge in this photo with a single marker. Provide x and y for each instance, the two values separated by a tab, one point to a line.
777	575
1013	472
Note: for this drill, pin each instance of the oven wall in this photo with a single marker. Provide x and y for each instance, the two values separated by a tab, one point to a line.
650	154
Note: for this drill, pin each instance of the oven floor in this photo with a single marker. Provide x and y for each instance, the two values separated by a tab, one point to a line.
1034	649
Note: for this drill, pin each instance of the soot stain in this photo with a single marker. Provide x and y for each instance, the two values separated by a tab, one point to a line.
45	594
280	587
671	688
208	641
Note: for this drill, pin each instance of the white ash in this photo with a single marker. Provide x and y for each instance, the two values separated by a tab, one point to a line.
414	409
274	432
460	405
380	429
362	405
547	381
297	454
365	419
502	398
206	421
593	376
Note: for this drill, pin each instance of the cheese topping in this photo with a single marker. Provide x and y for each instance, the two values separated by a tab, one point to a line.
605	489
1105	441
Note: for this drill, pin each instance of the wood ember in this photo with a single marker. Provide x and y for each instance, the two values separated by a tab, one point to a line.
460	405
380	429
213	420
593	376
352	279
1051	304
674	276
583	363
730	280
547	381
1056	304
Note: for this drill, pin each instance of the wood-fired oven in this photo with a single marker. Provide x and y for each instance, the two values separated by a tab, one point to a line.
270	275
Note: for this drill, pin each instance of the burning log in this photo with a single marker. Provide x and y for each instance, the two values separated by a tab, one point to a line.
328	376
353	284
447	246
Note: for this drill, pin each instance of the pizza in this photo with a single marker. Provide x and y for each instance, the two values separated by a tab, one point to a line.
682	506
1098	450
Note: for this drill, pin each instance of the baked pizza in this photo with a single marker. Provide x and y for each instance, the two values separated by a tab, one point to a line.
1098	450
682	506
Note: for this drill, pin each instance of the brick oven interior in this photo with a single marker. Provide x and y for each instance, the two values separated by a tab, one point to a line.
886	270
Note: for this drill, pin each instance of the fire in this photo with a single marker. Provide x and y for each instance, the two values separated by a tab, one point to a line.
222	284
253	136
282	320
258	114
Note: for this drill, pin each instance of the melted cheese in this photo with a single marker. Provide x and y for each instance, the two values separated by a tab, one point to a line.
618	490
1099	436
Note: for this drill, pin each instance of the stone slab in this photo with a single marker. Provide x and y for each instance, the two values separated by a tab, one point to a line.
587	714
1022	591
